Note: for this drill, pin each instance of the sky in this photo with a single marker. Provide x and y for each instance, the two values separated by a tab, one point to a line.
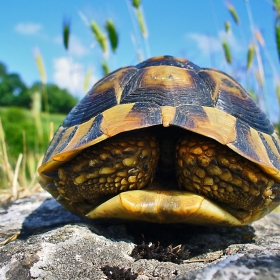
183	28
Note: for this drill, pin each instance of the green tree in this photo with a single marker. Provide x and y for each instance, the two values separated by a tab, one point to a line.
59	100
11	87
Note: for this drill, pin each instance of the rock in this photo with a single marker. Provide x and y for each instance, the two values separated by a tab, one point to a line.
55	244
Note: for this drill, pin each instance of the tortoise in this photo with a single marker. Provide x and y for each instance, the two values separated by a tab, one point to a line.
165	141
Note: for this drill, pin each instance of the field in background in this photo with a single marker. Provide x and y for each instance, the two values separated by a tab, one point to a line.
24	138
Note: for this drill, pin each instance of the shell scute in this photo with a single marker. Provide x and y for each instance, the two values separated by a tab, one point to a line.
276	141
229	96
167	86
271	149
54	142
149	114
244	141
61	140
109	88
206	121
93	132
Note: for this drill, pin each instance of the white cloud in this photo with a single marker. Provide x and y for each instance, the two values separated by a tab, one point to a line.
206	43
70	75
76	47
28	28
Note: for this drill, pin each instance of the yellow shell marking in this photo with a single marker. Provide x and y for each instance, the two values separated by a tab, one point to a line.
166	77
167	113
113	82
219	125
115	120
216	77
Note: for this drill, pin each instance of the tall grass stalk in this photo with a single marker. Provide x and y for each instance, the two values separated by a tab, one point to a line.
102	41
140	36
135	36
51	131
40	65
87	80
43	76
23	172
15	179
261	41
272	65
34	161
18	173
260	68
15	189
143	27
36	110
5	164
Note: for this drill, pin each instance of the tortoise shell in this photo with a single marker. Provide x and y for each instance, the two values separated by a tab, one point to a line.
168	96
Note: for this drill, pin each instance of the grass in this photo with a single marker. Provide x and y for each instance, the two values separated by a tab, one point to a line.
23	141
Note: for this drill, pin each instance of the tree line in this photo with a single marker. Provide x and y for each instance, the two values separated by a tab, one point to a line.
14	92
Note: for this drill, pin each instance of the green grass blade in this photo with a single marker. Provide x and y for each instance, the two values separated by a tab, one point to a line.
252	93
278	91
250	56
105	68
66	34
277	35
227	51
136	3
233	13
112	34
276	6
99	36
141	21
227	27
87	80
15	179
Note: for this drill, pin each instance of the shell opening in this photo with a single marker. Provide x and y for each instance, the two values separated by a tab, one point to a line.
169	159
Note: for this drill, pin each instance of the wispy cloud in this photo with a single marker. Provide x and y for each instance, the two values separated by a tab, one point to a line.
206	43
28	28
71	75
76	47
209	44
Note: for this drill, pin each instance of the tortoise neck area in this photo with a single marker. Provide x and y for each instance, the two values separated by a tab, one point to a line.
167	138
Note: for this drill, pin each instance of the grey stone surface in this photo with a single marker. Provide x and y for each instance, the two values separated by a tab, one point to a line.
55	244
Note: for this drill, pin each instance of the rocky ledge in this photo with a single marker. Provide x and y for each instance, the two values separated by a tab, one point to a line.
41	240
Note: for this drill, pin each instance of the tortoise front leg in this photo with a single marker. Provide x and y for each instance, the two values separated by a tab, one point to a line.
125	162
215	171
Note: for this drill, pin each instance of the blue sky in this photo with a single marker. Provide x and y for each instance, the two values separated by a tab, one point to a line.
183	28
